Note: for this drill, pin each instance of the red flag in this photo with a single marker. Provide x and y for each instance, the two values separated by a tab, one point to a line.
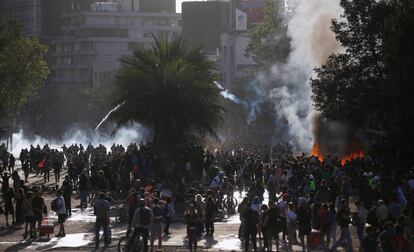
41	164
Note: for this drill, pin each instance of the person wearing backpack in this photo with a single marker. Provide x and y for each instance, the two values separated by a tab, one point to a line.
156	228
325	217
102	211
343	221
58	205
168	212
141	222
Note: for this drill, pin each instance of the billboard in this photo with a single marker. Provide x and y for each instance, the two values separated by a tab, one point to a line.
241	20
254	10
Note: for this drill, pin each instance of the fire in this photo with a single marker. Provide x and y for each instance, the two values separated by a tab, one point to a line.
352	156
317	153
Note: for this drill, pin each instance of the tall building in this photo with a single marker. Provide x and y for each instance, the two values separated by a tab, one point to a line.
27	12
204	22
95	39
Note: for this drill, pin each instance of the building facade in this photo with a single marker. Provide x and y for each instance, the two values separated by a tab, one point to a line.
27	12
94	40
204	22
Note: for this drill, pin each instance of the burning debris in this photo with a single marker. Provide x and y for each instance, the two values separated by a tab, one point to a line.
335	140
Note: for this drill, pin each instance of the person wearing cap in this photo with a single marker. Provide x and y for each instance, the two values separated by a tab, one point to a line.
102	211
382	213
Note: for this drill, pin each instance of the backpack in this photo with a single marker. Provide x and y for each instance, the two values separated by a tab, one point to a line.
166	211
54	205
144	216
157	212
101	209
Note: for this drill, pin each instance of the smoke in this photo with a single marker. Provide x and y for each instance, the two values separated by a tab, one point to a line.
109	114
312	42
226	94
131	133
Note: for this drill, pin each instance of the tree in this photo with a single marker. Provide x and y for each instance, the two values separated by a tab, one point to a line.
23	70
171	88
370	84
269	41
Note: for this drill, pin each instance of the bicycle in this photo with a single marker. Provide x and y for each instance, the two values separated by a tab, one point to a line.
134	246
230	203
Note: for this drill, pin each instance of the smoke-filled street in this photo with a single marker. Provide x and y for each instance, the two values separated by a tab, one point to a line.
219	125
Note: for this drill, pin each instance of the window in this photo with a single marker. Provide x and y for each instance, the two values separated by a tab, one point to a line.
77	47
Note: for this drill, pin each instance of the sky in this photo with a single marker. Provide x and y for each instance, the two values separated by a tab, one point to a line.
179	2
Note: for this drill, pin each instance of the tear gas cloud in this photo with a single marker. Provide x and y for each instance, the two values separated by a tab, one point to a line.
132	133
287	84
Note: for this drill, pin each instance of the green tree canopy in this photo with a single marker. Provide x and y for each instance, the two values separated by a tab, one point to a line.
371	84
23	70
171	88
269	41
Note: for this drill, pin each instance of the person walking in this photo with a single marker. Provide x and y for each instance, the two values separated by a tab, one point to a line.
102	211
141	222
12	161
83	190
343	221
168	212
304	213
39	207
19	197
193	223
58	205
67	190
291	219
361	220
156	229
29	216
8	206
251	221
210	215
26	169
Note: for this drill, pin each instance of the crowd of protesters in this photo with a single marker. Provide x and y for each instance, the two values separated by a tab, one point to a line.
289	199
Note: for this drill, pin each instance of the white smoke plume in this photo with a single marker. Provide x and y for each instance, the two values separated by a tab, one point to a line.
132	133
312	42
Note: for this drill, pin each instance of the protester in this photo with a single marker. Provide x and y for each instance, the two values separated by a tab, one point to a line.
251	221
67	189
39	207
193	227
102	213
29	216
141	222
210	215
168	212
343	220
157	226
60	209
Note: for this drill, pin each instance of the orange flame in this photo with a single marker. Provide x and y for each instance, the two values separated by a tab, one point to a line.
316	152
352	156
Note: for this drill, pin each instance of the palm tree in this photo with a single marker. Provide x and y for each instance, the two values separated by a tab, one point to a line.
170	88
